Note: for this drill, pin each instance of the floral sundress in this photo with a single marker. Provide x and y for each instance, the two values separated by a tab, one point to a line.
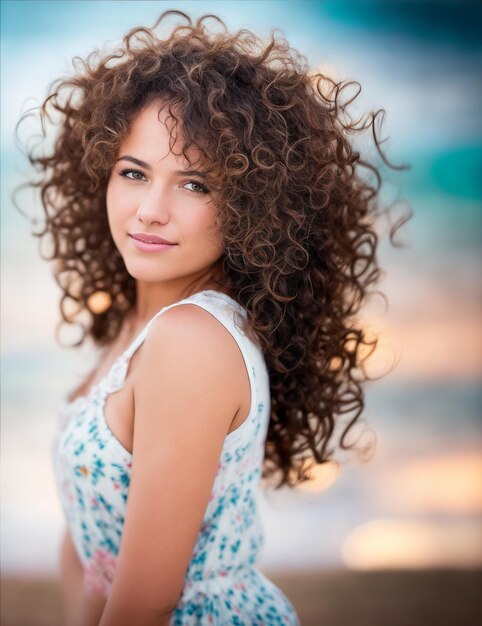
92	468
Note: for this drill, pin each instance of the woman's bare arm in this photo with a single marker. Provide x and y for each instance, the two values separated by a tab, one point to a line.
185	397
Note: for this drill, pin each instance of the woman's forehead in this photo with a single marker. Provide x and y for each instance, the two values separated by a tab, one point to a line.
157	139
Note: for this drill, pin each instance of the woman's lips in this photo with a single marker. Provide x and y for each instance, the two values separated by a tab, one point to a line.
150	247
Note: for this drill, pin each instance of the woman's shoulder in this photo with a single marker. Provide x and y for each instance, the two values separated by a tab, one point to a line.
231	313
189	347
192	330
224	308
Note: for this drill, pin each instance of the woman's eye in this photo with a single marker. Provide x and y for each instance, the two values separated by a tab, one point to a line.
125	173
136	175
200	188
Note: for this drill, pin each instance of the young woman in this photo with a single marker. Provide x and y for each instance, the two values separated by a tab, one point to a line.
208	221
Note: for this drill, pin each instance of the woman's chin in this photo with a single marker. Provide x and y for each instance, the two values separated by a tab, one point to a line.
142	272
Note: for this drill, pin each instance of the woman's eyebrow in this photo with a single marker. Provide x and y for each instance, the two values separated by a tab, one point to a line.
146	166
132	159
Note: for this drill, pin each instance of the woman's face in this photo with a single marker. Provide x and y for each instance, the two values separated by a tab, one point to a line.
150	192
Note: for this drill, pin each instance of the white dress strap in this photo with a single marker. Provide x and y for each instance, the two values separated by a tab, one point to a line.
195	296
142	335
115	378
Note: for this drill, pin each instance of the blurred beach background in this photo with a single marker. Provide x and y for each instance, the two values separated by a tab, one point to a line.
396	540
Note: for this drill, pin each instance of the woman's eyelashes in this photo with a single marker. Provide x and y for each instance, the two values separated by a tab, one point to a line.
201	188
125	174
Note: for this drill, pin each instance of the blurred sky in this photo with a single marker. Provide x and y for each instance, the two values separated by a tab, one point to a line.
418	502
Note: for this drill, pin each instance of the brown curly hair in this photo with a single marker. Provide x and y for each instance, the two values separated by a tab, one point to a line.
297	217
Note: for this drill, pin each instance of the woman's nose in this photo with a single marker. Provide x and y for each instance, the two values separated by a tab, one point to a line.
154	206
